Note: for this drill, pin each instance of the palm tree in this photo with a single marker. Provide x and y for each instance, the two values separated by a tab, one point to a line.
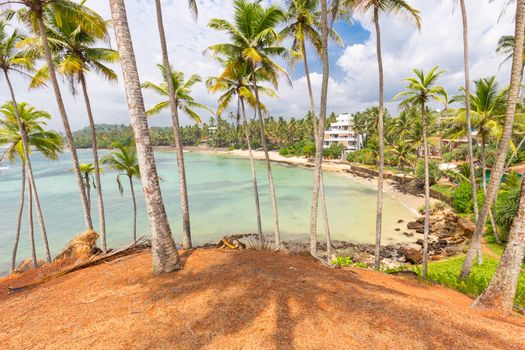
75	56
164	250
185	102
420	90
464	20
87	170
49	143
172	93
253	39
390	7
403	153
488	112
13	59
499	163
33	14
235	81
124	161
303	23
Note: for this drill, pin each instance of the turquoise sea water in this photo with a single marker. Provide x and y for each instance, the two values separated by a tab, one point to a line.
221	202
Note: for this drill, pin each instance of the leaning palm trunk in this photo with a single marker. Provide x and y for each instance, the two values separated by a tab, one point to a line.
30	224
321	127
324	209
467	112
379	204
499	164
98	183
65	121
427	192
277	233
163	248
502	288
134	201
19	218
254	173
88	190
30	177
183	189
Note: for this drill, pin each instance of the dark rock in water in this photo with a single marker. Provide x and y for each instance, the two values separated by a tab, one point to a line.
420	242
442	242
408	234
412	255
397	229
400	221
414	225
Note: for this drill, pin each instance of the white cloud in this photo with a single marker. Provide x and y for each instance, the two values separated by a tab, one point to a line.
404	48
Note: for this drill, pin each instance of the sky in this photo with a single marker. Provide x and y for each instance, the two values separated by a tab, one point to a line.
353	68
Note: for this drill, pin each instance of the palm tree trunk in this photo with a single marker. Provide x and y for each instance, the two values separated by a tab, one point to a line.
183	189
501	290
30	224
254	173
65	121
484	179
88	190
98	183
324	209
317	182
379	204
499	164
277	233
19	218
31	178
427	192
163	248
467	108
134	201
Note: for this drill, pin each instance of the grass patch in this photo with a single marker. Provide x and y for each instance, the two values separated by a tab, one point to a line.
446	273
344	261
445	189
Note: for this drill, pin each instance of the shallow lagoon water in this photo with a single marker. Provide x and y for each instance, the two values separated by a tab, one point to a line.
221	202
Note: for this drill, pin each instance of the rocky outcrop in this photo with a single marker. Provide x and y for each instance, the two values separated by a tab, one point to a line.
412	255
82	245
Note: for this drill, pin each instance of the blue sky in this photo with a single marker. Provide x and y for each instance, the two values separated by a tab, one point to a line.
353	75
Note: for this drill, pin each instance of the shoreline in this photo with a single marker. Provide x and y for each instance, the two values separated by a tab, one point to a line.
409	201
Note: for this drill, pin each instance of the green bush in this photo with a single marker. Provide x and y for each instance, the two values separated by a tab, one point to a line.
506	209
434	173
363	156
462	198
334	151
309	150
284	152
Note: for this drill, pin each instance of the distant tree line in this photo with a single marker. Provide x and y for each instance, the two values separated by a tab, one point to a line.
217	132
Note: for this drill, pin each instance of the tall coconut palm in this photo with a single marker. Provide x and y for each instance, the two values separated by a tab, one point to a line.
420	90
33	14
235	81
487	118
303	23
14	60
183	189
254	39
464	20
49	143
185	102
164	250
124	161
504	141
76	55
389	7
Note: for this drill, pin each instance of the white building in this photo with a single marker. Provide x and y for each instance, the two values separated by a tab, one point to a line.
341	132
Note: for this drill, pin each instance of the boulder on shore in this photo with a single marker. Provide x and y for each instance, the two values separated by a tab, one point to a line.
82	245
412	255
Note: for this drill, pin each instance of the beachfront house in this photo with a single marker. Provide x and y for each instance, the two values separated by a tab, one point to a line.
341	132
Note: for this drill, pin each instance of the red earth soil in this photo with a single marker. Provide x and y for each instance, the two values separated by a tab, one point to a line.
244	300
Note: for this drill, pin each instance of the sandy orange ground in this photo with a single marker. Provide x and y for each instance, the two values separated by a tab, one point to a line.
245	300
